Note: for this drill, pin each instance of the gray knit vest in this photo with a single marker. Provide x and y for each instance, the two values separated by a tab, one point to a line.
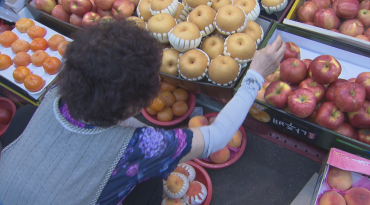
53	162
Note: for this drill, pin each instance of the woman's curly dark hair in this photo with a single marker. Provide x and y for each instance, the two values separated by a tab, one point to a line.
111	72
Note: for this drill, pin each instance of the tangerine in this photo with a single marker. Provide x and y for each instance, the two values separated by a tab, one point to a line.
38	58
7	38
54	41
180	108
20	73
5	61
62	47
169	98
36	32
166	86
38	44
20	46
52	65
23	24
181	94
151	111
165	115
158	103
33	83
22	59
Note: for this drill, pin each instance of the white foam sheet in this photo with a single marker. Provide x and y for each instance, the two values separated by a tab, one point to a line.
8	73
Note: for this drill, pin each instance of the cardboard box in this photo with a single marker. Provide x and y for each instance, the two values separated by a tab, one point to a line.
353	61
358	166
291	21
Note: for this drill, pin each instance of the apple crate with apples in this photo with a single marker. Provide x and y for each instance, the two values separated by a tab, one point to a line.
343	179
342	20
325	104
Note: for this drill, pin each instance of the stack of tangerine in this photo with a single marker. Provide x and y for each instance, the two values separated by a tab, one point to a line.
170	101
38	45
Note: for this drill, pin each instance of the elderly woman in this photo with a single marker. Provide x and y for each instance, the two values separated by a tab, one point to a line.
82	145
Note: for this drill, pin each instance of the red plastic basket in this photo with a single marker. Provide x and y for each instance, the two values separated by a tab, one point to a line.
7	104
212	165
153	118
202	176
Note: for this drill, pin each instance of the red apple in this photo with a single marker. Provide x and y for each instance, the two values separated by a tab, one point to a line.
103	13
105	5
274	77
364	136
122	8
364	16
291	51
326	18
261	95
325	69
365	4
45	5
306	12
362	37
302	103
75	20
90	19
347	130
317	89
309	23
307	62
293	70
335	30
277	93
136	2
323	4
367	33
107	19
329	116
265	85
352	80
65	5
364	80
352	27
329	96
361	117
80	7
349	97
59	13
94	8
346	8
311	118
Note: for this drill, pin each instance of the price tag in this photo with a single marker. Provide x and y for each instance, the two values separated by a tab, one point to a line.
196	111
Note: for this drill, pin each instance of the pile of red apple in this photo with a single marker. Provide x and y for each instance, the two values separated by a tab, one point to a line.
349	17
84	13
311	89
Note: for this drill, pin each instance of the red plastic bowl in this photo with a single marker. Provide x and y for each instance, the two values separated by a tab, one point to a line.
153	118
212	165
7	104
202	176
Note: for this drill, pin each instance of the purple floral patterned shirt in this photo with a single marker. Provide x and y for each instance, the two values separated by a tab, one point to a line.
150	153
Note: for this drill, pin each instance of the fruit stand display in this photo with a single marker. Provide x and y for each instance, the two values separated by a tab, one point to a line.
275	104
345	20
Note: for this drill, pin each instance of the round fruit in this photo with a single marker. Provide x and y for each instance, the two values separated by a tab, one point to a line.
7	38
38	44
5	62
36	32
181	94
158	103
20	73
20	46
54	41
33	83
5	116
151	111
22	59
23	24
166	86
62	47
38	58
180	108
52	65
169	98
165	115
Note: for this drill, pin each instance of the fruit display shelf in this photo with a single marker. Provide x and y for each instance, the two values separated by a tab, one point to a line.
7	74
353	60
291	21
